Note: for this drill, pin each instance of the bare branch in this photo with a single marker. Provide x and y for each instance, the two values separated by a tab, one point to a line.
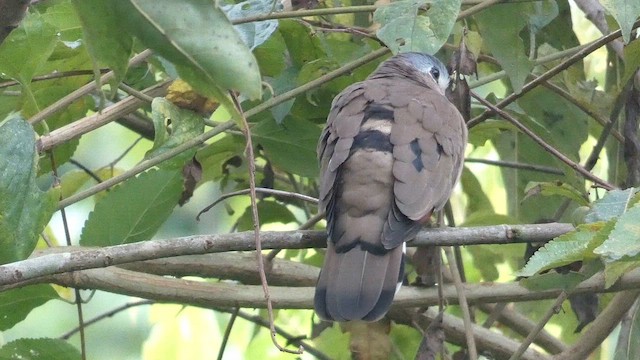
224	294
92	122
550	149
59	260
84	90
601	326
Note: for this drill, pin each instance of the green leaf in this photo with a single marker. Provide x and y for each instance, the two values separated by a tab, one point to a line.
185	125
133	211
553	280
562	124
217	156
333	342
269	212
565	249
291	146
24	208
535	188
614	270
24	52
16	304
106	46
487	130
630	348
623	240
477	199
27	48
500	28
256	32
631	60
199	39
39	349
612	205
405	29
625	12
543	13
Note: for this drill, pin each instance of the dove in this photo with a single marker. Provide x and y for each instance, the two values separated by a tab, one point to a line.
390	155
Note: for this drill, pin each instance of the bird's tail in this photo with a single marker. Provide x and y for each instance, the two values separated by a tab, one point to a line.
358	284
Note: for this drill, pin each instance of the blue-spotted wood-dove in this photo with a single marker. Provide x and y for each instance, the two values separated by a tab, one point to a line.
390	154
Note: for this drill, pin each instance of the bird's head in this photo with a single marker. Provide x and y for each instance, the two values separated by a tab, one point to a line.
418	66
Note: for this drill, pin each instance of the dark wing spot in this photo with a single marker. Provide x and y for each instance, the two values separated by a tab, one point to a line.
377	111
378	250
440	150
417	162
372	139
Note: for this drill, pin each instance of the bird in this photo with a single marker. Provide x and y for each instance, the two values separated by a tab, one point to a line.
390	155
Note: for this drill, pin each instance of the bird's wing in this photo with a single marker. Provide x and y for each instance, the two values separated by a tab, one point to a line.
428	137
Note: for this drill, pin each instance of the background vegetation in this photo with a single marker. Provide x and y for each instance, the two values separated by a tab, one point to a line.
115	172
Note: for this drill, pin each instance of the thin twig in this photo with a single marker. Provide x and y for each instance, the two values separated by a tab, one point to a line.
307	225
601	327
88	171
539	326
550	149
287	194
84	90
105	315
517	165
477	8
54	75
292	339
94	121
585	109
472	351
549	74
133	92
67	235
256	226
227	332
147	164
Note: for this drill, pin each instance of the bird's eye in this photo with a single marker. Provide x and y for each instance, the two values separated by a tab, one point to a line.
435	73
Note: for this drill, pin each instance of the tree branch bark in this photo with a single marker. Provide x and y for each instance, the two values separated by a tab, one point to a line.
60	260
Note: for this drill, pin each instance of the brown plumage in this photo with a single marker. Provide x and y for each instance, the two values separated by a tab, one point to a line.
390	155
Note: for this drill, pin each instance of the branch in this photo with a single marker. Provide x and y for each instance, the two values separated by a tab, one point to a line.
53	261
601	326
549	74
92	122
550	149
84	90
198	140
497	344
224	294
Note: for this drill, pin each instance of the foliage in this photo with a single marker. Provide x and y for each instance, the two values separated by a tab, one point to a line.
245	52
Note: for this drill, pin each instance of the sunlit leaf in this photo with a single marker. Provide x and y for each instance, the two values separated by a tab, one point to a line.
623	240
405	28
612	205
257	32
626	12
565	249
197	37
185	125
